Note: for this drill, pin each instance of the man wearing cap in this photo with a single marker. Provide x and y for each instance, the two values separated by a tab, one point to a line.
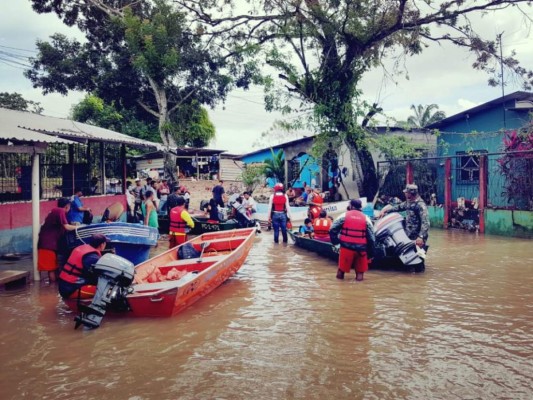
76	279
417	220
137	191
355	234
172	199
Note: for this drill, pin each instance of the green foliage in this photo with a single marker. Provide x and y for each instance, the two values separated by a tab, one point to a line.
396	148
424	116
15	101
191	126
93	110
275	167
252	176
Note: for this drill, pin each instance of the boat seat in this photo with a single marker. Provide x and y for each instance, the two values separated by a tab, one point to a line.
187	261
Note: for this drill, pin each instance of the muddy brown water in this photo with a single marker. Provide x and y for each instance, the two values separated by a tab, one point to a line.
284	328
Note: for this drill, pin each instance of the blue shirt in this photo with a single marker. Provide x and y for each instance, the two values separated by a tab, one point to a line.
75	215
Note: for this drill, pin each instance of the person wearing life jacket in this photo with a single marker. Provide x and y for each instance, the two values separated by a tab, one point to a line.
180	219
76	279
355	234
321	227
279	212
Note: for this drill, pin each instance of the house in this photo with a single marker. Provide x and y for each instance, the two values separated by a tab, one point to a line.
477	131
476	169
333	173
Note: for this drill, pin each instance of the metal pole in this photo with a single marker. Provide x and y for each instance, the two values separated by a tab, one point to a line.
35	212
503	88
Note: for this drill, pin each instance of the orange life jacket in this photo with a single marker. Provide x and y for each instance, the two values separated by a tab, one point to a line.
321	227
177	224
279	201
353	230
314	212
73	269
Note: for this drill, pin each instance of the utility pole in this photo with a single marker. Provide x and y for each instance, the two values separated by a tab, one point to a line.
501	78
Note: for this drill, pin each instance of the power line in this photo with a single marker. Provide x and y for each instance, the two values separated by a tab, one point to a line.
16	48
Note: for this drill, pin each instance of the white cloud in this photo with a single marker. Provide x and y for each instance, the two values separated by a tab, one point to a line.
442	75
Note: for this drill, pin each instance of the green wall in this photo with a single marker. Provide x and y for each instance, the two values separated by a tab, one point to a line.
497	222
509	223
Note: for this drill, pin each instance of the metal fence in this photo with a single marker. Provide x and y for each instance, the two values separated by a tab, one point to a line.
509	179
62	169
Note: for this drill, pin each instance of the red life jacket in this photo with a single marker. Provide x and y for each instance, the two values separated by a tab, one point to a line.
321	227
177	224
279	201
314	212
73	269
354	229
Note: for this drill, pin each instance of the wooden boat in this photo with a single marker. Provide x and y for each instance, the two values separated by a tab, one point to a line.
155	294
324	249
389	254
131	241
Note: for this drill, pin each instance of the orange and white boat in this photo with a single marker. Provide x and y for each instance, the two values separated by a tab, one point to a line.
167	283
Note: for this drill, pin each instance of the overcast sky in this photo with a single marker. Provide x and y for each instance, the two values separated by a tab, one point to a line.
442	75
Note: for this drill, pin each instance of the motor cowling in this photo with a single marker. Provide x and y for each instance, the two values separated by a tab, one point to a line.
390	233
115	275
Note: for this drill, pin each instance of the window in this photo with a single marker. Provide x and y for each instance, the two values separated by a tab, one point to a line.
468	167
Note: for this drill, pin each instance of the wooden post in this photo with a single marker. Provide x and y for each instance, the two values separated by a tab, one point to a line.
409	173
483	181
103	181
447	191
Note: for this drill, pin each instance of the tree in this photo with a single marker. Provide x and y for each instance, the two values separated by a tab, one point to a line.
275	166
252	176
322	48
93	110
424	116
140	54
15	101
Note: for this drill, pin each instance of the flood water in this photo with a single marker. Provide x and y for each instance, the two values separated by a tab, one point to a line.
284	328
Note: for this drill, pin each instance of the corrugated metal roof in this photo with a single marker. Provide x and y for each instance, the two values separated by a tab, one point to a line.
19	125
9	130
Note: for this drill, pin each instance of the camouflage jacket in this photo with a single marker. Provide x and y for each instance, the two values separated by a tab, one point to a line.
417	220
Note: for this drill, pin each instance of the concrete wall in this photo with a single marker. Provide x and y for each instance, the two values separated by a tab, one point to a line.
509	223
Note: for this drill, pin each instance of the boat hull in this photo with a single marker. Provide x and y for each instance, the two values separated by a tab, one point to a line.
131	241
170	298
299	214
327	250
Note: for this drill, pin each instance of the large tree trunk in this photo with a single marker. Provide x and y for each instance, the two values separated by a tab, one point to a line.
364	170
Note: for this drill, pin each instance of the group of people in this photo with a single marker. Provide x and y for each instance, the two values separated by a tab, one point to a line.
353	232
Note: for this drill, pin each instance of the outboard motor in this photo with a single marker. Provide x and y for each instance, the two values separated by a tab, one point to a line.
394	242
115	275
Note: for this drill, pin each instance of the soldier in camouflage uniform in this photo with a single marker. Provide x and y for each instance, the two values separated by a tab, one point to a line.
417	220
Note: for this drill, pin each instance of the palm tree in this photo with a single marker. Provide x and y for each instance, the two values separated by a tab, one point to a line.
423	116
275	166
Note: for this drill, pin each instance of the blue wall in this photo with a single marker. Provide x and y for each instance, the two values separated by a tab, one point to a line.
483	130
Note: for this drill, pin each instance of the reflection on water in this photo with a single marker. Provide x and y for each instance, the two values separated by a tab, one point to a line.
285	328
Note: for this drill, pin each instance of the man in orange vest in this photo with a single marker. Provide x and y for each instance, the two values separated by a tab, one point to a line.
76	279
355	234
279	212
321	227
180	219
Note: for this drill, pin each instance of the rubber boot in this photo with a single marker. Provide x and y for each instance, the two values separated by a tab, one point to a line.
340	274
359	276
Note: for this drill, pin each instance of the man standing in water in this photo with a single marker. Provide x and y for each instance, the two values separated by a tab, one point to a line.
355	234
417	220
279	212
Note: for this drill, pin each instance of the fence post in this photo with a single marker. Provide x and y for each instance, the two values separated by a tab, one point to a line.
409	173
447	191
482	192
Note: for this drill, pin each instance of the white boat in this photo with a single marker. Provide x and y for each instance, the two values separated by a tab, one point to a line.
299	214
